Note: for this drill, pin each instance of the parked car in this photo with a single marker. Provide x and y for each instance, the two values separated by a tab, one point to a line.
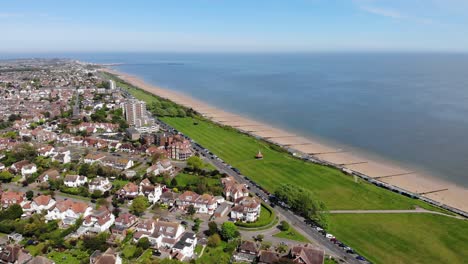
329	236
361	258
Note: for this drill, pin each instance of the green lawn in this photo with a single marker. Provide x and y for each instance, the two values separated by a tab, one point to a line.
69	257
291	234
118	184
404	238
336	189
184	179
214	255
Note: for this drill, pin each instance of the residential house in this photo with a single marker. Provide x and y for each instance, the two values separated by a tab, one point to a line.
48	175
74	181
152	192
163	166
99	184
18	166
68	211
10	198
14	254
93	157
46	151
28	170
123	223
42	203
62	155
246	209
185	246
205	204
129	191
169	198
246	252
159	233
117	162
107	257
234	190
99	220
267	257
306	254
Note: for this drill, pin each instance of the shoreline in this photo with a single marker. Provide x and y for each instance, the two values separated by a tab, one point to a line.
384	173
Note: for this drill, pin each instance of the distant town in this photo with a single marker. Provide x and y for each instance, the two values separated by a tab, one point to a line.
91	175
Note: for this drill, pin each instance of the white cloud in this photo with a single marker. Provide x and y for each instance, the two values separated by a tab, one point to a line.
382	11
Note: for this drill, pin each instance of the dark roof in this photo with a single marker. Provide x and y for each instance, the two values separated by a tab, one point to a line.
248	246
267	257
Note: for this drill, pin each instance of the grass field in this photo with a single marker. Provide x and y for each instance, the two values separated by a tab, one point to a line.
333	187
291	234
184	179
404	238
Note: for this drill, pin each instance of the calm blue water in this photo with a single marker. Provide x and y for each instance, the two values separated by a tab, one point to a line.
411	108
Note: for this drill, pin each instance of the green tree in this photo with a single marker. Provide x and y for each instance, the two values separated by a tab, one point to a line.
97	242
6	176
214	241
143	243
195	163
139	205
229	231
29	195
212	228
191	210
284	226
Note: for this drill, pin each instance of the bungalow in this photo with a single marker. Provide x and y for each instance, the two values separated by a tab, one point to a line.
122	223
202	203
129	191
74	181
152	192
10	198
99	220
185	246
159	233
100	184
117	163
247	209
92	158
68	211
48	175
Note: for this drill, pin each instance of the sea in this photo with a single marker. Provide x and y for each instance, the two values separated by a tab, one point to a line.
410	108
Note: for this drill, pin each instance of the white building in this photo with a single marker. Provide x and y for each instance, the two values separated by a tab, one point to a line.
99	220
68	211
100	184
152	192
246	209
186	246
74	181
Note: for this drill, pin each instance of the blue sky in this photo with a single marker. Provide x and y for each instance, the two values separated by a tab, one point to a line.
233	25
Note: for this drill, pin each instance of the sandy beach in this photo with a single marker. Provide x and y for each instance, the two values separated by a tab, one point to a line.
442	192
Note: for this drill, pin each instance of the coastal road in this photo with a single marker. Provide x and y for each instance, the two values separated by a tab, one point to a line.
298	222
